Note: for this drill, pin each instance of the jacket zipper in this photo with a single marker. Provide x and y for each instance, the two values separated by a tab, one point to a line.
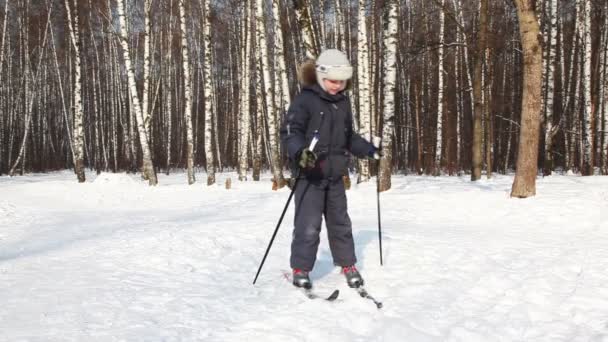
331	137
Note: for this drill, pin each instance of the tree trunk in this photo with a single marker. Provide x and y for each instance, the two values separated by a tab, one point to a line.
390	79
245	118
477	152
262	47
550	87
187	93
148	167
588	118
363	82
208	109
78	133
440	110
524	184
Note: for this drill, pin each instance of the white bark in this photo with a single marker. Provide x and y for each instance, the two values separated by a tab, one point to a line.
390	79
440	118
270	113
588	116
307	31
78	133
363	81
244	122
147	61
208	109
148	168
550	82
605	93
340	26
3	93
281	81
187	93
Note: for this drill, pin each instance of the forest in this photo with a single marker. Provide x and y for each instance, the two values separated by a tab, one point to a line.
202	85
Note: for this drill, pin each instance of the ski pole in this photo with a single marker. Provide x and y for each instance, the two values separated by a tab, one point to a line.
313	143
293	190
377	142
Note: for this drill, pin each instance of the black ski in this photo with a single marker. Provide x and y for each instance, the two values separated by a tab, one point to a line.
364	294
310	294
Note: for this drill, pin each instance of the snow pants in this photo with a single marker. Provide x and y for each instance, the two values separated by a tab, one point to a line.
315	200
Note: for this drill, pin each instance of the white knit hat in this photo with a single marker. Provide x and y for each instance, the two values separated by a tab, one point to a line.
333	64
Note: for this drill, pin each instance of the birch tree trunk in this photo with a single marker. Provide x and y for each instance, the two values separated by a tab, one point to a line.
262	47
187	94
307	31
3	88
605	93
390	79
340	26
549	128
147	62
244	122
281	81
148	167
439	128
208	109
524	184
78	133
363	82
588	132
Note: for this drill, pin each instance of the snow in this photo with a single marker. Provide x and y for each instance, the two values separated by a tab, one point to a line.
115	260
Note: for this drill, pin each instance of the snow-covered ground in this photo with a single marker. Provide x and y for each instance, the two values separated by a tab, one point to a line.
116	260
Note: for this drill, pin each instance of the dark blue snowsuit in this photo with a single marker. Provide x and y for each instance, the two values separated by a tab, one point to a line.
320	191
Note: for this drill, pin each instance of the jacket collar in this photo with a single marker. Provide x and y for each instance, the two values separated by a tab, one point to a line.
316	88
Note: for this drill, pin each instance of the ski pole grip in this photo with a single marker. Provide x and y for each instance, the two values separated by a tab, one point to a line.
314	141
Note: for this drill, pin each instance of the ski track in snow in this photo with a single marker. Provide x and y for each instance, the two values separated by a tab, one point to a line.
115	260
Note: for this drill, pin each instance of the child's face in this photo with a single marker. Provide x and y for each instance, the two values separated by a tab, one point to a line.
334	86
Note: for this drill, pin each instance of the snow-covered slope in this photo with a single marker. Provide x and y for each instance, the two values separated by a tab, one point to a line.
116	260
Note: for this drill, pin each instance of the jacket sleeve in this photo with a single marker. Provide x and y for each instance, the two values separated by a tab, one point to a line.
293	130
358	146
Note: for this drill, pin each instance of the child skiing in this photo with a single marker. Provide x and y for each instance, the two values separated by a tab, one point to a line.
318	136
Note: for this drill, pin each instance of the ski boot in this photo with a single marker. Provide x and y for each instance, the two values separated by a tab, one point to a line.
353	277
301	279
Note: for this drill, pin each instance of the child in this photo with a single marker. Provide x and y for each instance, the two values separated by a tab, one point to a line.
321	112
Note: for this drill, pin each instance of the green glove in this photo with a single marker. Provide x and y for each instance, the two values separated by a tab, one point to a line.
307	159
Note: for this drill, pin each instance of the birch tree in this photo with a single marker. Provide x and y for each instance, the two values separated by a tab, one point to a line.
187	94
363	82
147	63
440	119
281	82
78	133
209	106
605	93
588	133
550	130
245	75
3	92
307	31
524	184
390	79
148	167
262	47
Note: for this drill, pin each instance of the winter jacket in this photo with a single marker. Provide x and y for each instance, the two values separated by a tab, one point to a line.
316	110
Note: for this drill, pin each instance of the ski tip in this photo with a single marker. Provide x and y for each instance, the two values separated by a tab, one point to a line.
333	296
